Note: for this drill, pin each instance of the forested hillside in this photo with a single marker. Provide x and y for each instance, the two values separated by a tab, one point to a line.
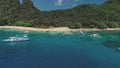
106	15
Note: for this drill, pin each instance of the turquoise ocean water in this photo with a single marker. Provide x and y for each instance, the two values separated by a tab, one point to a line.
57	50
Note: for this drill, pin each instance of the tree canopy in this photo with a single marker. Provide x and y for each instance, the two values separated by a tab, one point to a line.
106	15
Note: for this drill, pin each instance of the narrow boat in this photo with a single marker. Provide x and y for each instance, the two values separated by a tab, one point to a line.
17	39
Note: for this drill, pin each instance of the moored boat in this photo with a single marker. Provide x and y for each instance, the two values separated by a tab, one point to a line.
16	39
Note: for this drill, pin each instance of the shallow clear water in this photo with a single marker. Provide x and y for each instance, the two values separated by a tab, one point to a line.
57	50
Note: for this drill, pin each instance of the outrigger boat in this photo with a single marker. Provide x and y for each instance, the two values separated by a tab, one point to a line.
17	39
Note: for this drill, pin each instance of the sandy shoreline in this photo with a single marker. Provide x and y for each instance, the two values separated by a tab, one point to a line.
58	29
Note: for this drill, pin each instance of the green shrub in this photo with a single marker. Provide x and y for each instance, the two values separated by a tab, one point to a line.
24	23
75	25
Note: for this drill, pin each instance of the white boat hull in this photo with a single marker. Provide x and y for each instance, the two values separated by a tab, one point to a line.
17	39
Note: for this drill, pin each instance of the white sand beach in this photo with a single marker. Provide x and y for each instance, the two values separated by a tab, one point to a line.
55	29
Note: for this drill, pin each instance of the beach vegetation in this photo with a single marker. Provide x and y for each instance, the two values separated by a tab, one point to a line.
106	15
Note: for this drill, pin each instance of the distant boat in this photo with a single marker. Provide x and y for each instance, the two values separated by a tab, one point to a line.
17	39
95	35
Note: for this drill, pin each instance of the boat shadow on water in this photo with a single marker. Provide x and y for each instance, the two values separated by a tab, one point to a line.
15	43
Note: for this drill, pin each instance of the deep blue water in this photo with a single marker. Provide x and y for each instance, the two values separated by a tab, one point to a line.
57	50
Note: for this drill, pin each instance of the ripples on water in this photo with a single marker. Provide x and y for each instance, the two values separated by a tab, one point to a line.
92	49
107	38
